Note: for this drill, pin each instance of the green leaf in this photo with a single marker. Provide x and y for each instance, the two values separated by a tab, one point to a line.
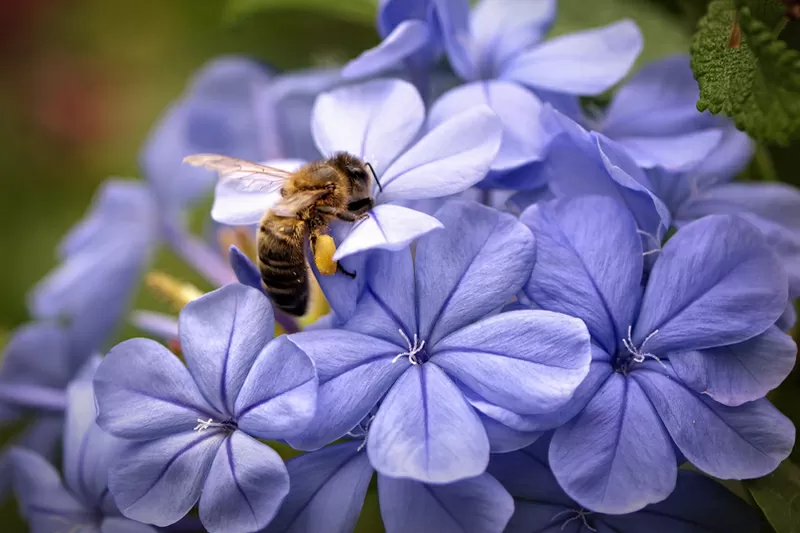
756	83
770	12
362	11
778	495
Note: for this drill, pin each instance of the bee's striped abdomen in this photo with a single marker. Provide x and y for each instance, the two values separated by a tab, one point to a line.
281	260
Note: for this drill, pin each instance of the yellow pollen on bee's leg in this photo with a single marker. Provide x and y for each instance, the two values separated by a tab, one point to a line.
323	255
175	292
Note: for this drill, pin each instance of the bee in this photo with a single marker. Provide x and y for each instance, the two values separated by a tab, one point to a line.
307	201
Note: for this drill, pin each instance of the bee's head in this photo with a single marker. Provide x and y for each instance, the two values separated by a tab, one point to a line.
359	173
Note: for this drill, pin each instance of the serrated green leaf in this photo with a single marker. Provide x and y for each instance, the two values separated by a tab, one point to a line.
756	84
352	10
769	12
778	495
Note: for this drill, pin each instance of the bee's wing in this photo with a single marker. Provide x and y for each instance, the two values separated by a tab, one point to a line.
245	176
291	205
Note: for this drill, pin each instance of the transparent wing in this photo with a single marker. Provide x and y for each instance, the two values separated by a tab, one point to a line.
291	205
241	175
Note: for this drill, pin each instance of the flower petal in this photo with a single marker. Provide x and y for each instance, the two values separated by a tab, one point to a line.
385	306
501	29
159	481
627	463
144	392
741	442
44	501
374	120
221	335
239	203
523	141
355	371
244	488
88	450
729	158
327	491
388	227
476	505
42	436
675	153
585	63
698	503
279	396
453	267
449	159
160	325
406	38
740	373
38	353
426	430
526	361
123	525
588	264
715	283
504	439
452	23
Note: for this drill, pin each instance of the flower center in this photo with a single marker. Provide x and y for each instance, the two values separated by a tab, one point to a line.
416	350
228	426
361	431
625	360
580	514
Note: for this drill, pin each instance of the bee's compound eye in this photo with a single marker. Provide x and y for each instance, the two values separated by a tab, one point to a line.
356	171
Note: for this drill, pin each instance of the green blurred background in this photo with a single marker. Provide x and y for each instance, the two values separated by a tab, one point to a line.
83	81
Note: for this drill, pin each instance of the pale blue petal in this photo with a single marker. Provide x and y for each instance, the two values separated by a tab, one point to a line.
327	491
743	442
144	392
388	227
374	120
244	488
527	361
279	395
715	283
517	108
476	505
355	371
426	430
122	525
453	267
449	159
585	63
405	40
159	325
614	471
159	481
221	335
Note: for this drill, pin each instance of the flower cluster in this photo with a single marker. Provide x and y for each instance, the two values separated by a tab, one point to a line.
555	306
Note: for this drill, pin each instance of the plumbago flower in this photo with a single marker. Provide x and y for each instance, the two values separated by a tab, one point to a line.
38	363
498	50
82	502
681	364
379	122
328	488
424	341
698	505
192	429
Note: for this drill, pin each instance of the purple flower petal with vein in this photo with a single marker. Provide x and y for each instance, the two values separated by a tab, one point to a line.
81	502
680	363
192	429
424	341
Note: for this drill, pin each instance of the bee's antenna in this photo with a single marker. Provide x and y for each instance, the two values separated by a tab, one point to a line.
380	188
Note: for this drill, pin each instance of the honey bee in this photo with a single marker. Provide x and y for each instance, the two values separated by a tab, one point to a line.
309	199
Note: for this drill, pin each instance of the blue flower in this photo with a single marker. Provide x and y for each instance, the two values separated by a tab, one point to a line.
681	363
328	488
193	430
698	505
379	121
498	51
38	363
82	502
424	342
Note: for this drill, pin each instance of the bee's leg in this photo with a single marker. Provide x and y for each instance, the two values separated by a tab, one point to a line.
341	214
340	268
